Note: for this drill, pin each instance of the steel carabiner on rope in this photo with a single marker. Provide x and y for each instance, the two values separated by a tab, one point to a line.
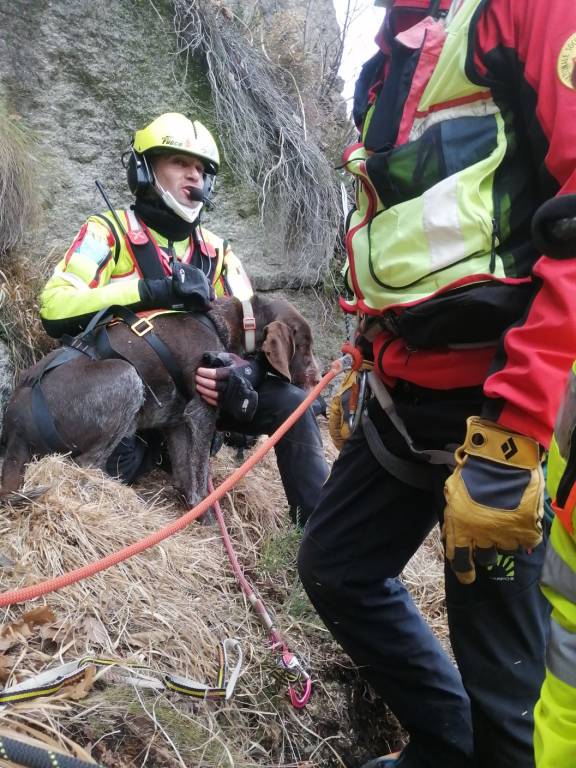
296	673
300	701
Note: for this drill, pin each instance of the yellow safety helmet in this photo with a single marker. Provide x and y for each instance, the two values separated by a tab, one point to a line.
173	131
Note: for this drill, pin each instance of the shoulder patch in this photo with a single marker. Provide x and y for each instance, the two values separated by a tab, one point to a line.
567	63
95	243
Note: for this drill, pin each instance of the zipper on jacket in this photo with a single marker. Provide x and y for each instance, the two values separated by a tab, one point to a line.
172	259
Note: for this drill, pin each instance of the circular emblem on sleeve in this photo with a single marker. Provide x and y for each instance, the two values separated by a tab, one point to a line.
567	62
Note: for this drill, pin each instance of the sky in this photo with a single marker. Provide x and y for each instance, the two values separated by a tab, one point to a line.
359	44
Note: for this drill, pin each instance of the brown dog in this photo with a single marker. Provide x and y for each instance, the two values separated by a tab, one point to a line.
95	403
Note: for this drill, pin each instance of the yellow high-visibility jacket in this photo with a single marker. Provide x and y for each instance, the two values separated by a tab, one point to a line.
100	270
555	713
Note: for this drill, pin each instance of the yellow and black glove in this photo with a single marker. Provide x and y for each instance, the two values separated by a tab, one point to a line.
494	497
343	406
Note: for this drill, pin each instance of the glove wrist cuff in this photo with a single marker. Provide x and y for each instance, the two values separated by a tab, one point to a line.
489	441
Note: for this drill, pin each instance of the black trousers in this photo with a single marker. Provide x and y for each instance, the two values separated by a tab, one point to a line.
300	454
365	529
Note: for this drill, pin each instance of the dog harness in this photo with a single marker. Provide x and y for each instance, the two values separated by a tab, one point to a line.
94	342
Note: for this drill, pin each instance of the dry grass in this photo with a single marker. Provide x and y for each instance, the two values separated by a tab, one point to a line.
168	608
269	147
18	200
20	326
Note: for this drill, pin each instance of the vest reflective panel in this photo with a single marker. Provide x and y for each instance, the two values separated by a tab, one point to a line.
428	215
555	712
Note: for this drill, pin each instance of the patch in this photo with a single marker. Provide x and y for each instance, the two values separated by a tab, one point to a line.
93	244
567	63
503	569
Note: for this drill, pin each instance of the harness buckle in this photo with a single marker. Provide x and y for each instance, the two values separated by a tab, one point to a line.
249	323
135	327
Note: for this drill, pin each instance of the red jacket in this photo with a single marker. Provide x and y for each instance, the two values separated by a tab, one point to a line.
525	51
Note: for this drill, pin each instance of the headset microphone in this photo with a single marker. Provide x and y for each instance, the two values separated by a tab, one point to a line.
196	194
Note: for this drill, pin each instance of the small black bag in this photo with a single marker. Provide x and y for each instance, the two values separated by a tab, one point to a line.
471	315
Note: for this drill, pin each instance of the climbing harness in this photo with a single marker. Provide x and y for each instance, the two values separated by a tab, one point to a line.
54	680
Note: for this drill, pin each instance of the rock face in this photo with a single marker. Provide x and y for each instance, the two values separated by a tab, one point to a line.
82	76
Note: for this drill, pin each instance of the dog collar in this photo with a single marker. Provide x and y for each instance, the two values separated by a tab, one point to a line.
249	325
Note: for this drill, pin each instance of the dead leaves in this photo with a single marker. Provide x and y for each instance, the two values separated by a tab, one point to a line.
81	688
20	630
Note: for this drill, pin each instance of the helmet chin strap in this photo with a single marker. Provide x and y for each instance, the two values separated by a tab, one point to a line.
187	212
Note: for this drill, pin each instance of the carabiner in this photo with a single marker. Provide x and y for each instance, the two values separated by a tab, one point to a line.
295	672
349	349
299	702
360	401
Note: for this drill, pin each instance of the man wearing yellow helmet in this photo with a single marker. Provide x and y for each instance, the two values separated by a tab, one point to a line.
126	257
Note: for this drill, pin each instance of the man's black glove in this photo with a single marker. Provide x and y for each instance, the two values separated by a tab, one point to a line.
192	285
228	381
187	288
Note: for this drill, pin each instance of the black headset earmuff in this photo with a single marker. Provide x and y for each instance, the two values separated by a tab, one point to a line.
208	190
138	171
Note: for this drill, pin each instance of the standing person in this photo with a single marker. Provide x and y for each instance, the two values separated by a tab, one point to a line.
127	257
555	713
468	122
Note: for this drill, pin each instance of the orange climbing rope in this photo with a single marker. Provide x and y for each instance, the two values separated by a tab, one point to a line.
52	585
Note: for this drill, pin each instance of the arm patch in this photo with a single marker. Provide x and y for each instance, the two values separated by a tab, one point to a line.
95	243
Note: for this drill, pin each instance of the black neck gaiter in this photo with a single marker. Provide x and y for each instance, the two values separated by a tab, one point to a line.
156	215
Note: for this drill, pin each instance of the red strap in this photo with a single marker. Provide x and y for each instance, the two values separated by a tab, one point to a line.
349	349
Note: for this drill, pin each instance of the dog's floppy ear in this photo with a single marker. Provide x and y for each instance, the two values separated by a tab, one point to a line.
278	347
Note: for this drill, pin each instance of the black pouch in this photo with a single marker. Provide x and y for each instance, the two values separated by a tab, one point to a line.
471	315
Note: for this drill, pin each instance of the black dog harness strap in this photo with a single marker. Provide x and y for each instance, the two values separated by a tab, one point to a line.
48	434
94	342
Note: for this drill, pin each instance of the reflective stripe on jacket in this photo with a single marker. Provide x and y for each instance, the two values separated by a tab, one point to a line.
555	713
